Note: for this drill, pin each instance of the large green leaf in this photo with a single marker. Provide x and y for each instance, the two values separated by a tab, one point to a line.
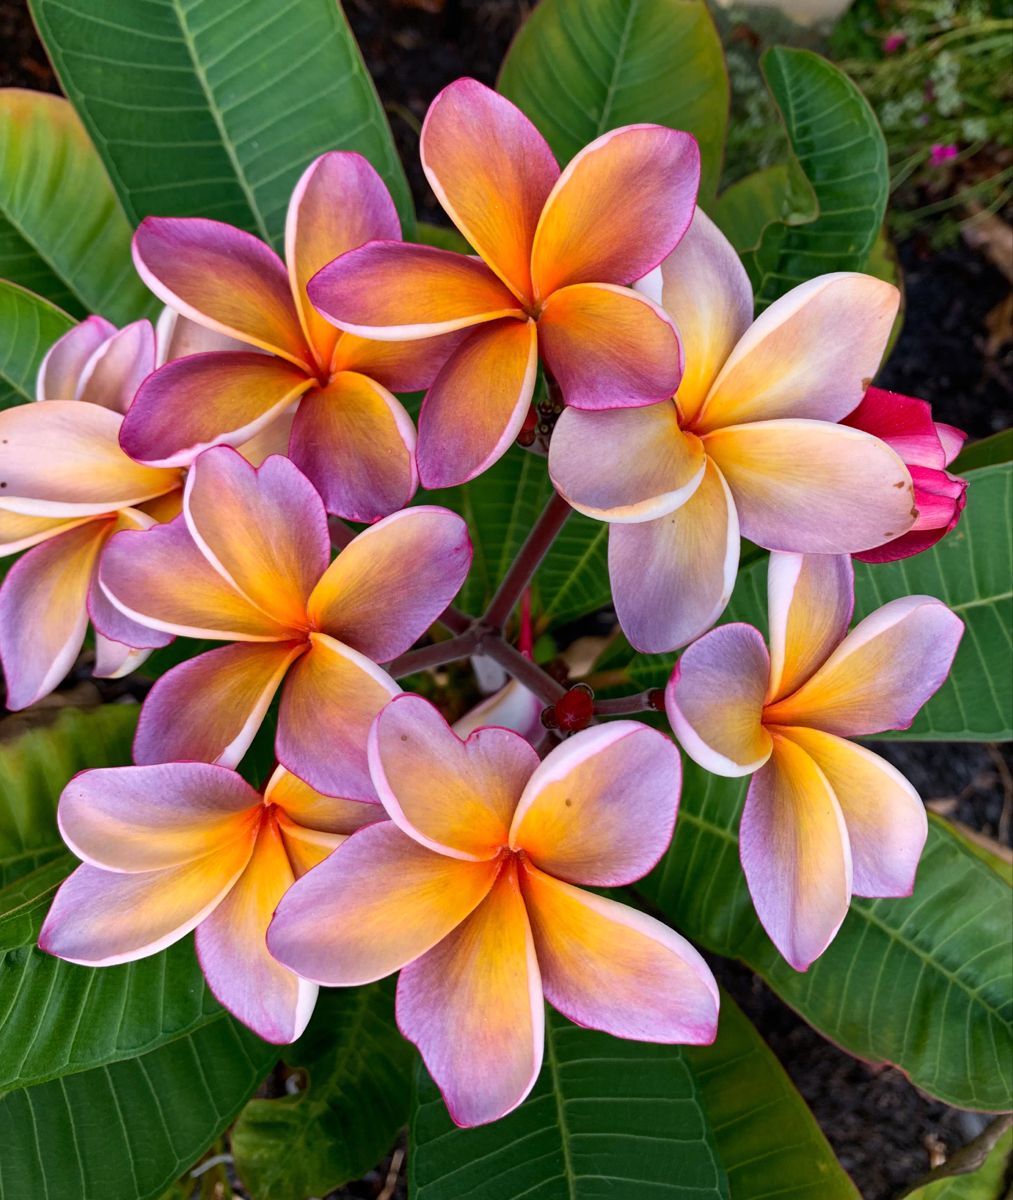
28	327
995	449
356	1098
606	1118
62	231
579	68
213	108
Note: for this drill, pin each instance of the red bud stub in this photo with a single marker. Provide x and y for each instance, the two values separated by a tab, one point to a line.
571	712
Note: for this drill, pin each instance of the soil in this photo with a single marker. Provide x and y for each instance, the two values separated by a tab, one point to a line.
951	351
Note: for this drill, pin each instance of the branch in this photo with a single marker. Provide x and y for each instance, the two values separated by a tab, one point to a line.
536	546
455	620
968	1158
522	669
653	700
435	655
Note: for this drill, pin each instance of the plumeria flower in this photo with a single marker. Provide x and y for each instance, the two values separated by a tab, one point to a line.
350	435
554	250
927	448
749	445
248	562
189	846
824	818
512	706
471	889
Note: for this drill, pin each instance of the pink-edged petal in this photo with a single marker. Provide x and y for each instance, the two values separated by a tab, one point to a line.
393	291
121	644
339	203
811	354
609	347
619	207
940	499
795	854
263	528
878	678
606	966
813	488
456	797
272	439
112	375
114	660
209	708
224	397
355	443
672	577
392	581
376	903
222	278
152	817
307	848
626	464
810	599
714	700
43	611
512	707
884	815
177	336
398	366
231	947
601	808
905	423
478	403
313	811
952	440
492	172
63	459
328	704
19	531
473	1006
65	359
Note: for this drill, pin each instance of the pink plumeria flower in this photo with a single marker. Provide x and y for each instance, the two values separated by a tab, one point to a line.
350	434
824	818
189	846
927	448
749	445
554	251
248	562
65	488
470	889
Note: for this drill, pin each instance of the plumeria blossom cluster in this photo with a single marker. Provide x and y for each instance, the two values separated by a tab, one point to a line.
192	481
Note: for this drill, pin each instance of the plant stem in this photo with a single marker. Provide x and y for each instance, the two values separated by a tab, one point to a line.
536	546
522	669
435	655
640	702
455	620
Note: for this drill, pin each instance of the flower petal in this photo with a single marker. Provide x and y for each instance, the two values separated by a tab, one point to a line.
330	699
263	528
114	372
312	810
339	203
473	1006
222	278
456	797
206	400
492	172
43	611
392	581
177	336
609	347
706	291
878	678
601	808
905	424
625	464
810	599
65	359
512	707
884	815
714	700
394	291
619	207
355	443
398	366
812	487
63	459
672	577
606	966
459	438
18	531
811	354
133	819
376	903
209	708
795	854
940	499
275	1003
307	848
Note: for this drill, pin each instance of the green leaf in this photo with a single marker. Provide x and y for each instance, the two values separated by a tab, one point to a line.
995	449
767	1139
213	108
28	327
606	1118
441	236
579	68
988	1182
745	209
62	231
838	180
356	1098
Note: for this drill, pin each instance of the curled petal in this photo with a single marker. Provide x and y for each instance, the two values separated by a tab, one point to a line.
177	336
601	808
65	359
18	531
114	372
905	424
512	707
714	700
307	848
940	499
312	810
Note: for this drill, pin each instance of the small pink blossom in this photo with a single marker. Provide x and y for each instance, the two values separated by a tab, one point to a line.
940	153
